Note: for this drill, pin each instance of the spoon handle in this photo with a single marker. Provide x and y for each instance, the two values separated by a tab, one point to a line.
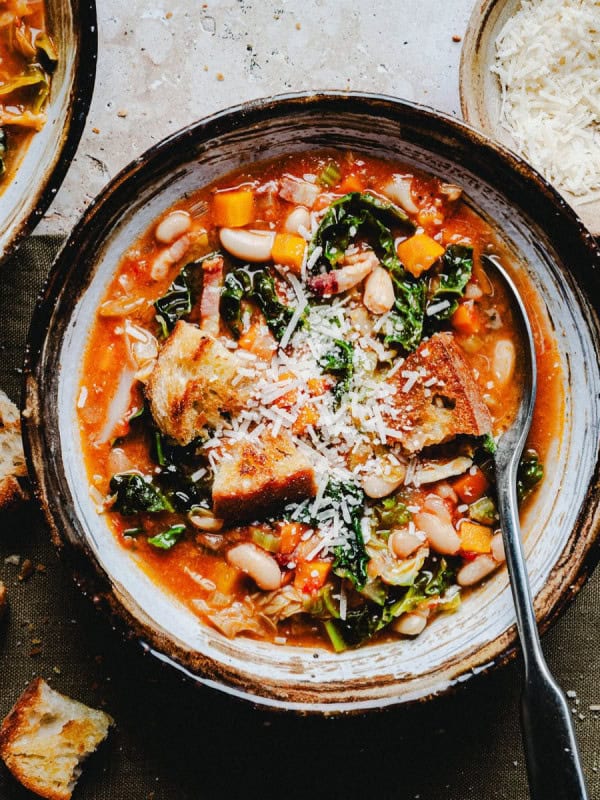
553	765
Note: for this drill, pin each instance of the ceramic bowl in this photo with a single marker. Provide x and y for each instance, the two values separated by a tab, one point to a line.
72	24
480	92
548	242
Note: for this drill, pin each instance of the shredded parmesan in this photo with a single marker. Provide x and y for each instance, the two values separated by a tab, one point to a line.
548	64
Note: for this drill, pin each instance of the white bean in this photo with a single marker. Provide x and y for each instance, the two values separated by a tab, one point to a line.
434	504
474	571
206	522
173	226
254	246
411	624
498	548
399	190
503	361
169	256
403	543
446	492
378	295
377	486
440	533
260	566
299	218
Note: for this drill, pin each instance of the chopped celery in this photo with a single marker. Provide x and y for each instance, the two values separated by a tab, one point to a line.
165	540
339	645
483	510
330	175
268	541
392	513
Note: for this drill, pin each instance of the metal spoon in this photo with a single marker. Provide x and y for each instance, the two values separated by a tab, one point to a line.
553	765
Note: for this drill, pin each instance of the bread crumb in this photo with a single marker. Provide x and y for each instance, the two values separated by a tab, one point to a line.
95	130
122	113
220	76
27	569
457	38
298	26
169	15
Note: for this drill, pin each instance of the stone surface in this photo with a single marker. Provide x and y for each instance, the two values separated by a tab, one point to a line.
164	64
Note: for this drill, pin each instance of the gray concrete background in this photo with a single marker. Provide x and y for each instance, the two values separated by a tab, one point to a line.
166	63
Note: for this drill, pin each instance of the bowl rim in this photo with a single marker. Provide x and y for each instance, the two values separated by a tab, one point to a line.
85	31
87	572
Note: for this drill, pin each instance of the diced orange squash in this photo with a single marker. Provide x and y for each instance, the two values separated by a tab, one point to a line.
289	398
290	534
258	340
475	538
419	253
288	249
351	183
317	386
311	575
466	319
233	209
308	415
471	487
225	577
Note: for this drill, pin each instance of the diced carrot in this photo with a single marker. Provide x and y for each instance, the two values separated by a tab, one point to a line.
475	538
351	183
290	534
317	386
289	398
233	209
466	319
419	253
311	575
471	487
225	577
259	340
308	415
288	249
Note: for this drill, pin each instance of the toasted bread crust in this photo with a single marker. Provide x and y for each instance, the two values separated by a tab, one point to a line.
261	477
190	387
426	415
54	772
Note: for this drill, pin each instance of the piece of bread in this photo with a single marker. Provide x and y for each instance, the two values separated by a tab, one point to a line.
261	477
12	460
195	382
45	738
437	397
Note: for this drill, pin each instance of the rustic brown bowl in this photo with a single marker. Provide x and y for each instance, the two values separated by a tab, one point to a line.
23	202
480	93
549	243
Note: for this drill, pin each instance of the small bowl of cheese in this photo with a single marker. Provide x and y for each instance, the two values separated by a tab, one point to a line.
530	77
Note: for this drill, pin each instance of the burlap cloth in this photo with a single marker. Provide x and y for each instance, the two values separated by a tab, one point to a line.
177	742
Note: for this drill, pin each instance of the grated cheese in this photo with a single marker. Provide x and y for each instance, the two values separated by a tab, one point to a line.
548	64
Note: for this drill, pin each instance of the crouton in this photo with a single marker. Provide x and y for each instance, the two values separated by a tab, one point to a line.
437	397
46	737
194	384
261	477
12	460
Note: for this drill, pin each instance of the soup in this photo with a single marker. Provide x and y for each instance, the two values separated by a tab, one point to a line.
27	58
291	394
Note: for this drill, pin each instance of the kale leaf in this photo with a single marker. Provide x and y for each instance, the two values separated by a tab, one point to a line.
353	214
529	474
352	558
135	495
180	296
259	287
340	362
457	268
403	327
177	475
165	540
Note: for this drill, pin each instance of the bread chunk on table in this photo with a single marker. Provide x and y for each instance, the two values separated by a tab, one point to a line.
437	397
47	736
195	383
259	477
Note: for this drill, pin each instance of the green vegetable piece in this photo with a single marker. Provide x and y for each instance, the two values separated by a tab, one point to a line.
352	558
340	362
167	539
529	474
403	327
34	75
335	637
259	287
392	513
483	510
330	175
135	495
45	45
132	532
489	444
457	267
353	214
175	304
268	541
